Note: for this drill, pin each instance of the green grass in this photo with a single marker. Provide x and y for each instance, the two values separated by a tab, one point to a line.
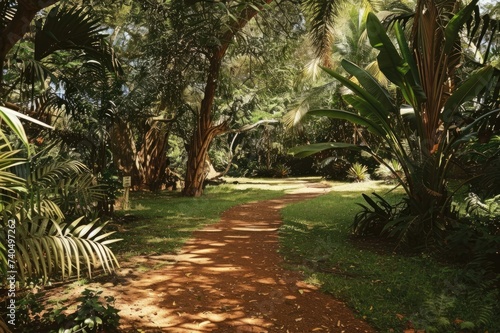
160	223
385	288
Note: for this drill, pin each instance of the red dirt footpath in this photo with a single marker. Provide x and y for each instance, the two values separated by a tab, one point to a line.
230	278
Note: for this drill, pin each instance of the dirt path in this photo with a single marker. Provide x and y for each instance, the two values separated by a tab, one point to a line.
229	278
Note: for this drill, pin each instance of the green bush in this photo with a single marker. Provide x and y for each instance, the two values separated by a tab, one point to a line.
91	315
358	172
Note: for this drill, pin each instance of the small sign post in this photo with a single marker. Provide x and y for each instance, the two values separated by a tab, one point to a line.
127	182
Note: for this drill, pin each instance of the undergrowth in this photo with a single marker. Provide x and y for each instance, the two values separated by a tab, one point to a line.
391	291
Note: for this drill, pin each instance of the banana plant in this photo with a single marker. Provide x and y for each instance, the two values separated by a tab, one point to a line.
426	141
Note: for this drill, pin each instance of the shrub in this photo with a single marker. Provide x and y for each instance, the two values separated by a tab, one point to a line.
391	171
281	171
358	172
91	315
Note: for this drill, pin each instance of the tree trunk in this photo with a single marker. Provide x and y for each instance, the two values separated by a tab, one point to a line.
152	157
197	168
206	130
17	28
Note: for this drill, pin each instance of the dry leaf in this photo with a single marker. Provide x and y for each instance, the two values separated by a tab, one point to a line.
203	323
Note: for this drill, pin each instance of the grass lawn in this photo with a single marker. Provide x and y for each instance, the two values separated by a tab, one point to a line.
160	223
387	289
391	291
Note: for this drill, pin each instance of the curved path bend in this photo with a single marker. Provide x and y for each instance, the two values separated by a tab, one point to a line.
230	278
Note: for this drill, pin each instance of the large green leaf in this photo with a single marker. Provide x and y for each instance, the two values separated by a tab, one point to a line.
371	85
304	151
389	60
467	91
468	130
381	111
11	118
352	117
413	92
455	25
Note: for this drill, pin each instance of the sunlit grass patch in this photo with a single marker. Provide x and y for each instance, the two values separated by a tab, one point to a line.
387	289
160	223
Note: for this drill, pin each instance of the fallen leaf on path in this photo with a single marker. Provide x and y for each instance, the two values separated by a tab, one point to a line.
203	323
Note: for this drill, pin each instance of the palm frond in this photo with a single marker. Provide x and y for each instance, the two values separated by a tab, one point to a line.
51	173
482	32
66	29
7	11
322	13
11	118
301	107
45	247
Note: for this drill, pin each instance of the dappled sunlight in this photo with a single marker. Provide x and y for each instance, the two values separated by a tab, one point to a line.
228	278
255	229
369	186
266	280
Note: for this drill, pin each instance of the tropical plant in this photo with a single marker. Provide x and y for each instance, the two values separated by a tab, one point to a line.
373	217
390	171
94	313
65	73
91	315
33	201
358	172
426	142
281	171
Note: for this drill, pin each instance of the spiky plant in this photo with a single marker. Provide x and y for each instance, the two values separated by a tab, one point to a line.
358	172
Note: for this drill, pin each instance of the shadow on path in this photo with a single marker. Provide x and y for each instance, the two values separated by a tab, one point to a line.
229	278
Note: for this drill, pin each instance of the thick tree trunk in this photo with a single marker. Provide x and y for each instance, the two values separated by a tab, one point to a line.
204	133
206	130
152	157
197	167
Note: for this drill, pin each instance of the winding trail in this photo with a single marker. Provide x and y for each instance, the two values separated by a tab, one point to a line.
230	278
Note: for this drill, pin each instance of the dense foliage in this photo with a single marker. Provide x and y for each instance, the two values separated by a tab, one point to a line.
173	93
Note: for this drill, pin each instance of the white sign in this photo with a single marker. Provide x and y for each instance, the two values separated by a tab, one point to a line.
127	181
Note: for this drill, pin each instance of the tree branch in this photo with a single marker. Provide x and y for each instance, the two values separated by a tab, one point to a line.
19	25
